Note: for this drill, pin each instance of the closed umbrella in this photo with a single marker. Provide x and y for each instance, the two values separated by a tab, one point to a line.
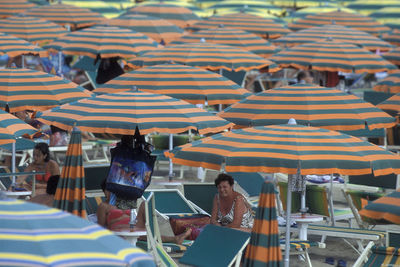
264	245
385	209
36	235
70	194
31	29
103	42
333	56
390	84
308	104
206	55
160	30
194	85
26	89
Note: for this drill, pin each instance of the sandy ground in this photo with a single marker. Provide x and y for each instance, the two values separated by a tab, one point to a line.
336	248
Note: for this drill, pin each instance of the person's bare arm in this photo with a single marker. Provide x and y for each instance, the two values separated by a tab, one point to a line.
239	210
54	168
214	212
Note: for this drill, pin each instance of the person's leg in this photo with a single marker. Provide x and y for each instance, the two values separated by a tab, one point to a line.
102	211
178	239
141	216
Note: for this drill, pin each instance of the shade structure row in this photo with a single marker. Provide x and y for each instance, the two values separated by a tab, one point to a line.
338	33
205	55
330	55
121	113
233	37
266	28
103	41
160	30
36	235
287	149
308	104
194	85
26	89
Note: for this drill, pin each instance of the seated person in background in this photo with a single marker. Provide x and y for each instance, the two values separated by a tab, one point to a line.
46	184
58	136
109	216
230	208
305	77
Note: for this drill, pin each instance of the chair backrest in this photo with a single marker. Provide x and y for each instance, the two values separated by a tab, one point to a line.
201	194
361	198
216	246
92	203
383	256
317	200
251	182
393	238
283	197
170	202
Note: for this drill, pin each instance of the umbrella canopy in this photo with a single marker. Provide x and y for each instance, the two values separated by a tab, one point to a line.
393	56
390	84
367	7
121	113
191	84
31	29
384	209
286	149
206	55
161	30
223	6
70	194
36	235
266	28
233	37
392	37
105	42
10	8
311	10
353	20
13	46
178	15
64	15
392	104
202	13
330	55
98	6
388	16
336	32
26	89
309	105
11	128
264	246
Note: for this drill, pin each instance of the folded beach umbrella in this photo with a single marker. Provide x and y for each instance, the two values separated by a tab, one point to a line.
103	41
70	194
70	15
352	20
194	85
26	89
121	113
264	246
233	37
206	55
390	84
178	15
160	30
393	56
36	235
330	55
338	33
13	46
392	37
310	105
263	27
10	8
384	209
31	29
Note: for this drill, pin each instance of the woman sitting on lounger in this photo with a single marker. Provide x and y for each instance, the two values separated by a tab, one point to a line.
230	208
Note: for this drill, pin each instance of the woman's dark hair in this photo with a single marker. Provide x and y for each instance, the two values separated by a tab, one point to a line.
44	148
224	177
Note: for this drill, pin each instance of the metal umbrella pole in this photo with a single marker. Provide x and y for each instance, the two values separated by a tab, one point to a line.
171	165
288	211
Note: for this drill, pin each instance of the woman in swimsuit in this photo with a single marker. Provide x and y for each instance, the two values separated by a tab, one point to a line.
230	208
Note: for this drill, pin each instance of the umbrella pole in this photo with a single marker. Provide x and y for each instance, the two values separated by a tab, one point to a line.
171	166
23	62
60	63
13	165
288	211
330	195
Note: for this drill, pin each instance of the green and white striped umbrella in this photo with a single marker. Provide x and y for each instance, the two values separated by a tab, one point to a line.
160	30
206	55
13	47
194	85
31	29
309	105
26	89
287	149
121	113
330	55
103	41
36	235
393	56
338	33
233	37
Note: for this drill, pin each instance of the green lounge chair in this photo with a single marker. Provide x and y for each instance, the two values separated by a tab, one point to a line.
375	256
201	194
